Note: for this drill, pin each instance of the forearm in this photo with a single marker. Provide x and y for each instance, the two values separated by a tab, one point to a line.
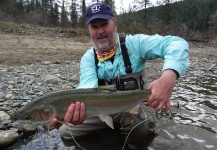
169	76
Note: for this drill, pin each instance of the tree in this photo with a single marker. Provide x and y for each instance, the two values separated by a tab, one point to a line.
142	4
83	12
54	15
30	6
74	15
64	19
37	5
44	12
111	4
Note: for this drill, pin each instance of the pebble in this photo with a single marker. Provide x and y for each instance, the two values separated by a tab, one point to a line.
20	85
8	96
26	127
8	137
4	116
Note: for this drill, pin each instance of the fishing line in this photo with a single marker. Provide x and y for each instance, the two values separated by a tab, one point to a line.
133	129
159	115
75	140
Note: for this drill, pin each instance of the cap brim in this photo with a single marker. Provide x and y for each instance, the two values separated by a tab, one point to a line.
101	16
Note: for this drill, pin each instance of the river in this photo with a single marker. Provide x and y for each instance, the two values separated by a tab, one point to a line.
195	124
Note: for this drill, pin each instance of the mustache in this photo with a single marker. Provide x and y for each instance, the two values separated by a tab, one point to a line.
102	35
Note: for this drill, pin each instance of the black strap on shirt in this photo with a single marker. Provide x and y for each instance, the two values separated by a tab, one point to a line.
125	56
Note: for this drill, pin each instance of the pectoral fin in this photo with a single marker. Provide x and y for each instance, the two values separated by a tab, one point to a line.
108	120
135	109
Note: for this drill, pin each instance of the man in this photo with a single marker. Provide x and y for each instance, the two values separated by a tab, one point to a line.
102	27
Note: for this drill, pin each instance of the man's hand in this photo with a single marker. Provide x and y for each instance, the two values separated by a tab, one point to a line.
74	115
162	89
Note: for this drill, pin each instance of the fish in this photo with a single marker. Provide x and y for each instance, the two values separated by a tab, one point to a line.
101	101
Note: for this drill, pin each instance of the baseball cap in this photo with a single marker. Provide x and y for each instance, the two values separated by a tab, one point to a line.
98	10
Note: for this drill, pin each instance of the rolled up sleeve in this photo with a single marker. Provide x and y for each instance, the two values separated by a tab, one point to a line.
88	77
172	49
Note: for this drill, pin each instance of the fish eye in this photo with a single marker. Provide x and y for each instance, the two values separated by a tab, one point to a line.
27	117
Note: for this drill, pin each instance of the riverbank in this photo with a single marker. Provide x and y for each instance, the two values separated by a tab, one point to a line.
33	65
32	46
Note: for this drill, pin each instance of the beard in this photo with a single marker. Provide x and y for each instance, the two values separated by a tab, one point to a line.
105	46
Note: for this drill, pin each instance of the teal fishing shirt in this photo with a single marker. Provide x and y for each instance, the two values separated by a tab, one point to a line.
172	49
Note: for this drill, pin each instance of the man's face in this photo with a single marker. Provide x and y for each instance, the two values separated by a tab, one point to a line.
103	33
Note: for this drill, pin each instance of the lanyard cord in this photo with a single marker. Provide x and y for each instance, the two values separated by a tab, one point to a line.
133	129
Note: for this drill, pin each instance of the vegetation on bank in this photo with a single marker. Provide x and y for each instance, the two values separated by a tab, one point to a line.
192	19
25	28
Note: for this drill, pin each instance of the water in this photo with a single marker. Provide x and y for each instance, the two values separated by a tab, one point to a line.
195	123
194	126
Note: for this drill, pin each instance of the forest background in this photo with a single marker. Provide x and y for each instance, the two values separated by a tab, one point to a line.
194	20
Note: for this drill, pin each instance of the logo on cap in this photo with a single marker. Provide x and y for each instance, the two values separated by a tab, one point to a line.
95	8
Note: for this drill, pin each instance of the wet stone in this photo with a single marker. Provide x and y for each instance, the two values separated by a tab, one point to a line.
24	83
4	116
2	127
26	127
6	122
16	104
8	137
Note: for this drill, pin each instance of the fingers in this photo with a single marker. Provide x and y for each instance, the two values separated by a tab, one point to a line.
82	113
75	113
69	114
160	95
158	102
54	123
162	107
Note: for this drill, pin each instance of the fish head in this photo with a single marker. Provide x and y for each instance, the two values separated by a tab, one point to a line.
38	114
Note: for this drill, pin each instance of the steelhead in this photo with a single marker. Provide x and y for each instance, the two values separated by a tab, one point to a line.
99	101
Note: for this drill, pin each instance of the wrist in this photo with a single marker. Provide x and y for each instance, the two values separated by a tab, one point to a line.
169	75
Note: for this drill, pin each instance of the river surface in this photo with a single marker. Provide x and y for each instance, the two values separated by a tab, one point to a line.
194	125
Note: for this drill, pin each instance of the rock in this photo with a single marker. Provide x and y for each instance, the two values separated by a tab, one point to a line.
4	116
16	104
46	62
3	73
11	82
74	78
6	122
26	127
8	96
50	79
5	108
67	62
3	127
2	95
8	137
57	62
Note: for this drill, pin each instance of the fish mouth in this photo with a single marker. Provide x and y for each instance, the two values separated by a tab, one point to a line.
14	116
